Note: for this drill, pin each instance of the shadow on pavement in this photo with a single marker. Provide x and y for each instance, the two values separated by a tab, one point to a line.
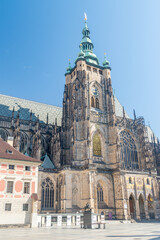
135	236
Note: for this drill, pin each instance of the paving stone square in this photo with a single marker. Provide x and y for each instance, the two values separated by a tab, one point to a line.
121	231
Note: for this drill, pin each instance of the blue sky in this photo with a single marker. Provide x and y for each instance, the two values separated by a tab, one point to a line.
38	37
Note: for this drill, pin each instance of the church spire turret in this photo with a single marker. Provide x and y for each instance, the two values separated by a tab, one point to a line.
69	68
87	46
106	62
86	42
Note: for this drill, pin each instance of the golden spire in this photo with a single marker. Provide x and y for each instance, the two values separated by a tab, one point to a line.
85	17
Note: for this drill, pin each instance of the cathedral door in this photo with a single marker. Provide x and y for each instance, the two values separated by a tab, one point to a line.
141	207
132	206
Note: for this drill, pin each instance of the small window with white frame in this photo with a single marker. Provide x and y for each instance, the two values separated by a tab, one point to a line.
8	207
27	168
25	207
26	187
10	187
11	166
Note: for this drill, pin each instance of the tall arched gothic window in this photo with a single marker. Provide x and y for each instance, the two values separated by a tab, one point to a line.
97	103
47	199
97	151
128	151
92	101
43	147
23	142
99	193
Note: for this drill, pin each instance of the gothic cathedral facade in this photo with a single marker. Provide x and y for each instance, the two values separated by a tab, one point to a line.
97	154
105	160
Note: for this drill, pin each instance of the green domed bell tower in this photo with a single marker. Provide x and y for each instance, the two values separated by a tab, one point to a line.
88	107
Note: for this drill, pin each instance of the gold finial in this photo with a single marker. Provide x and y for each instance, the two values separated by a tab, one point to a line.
105	54
85	16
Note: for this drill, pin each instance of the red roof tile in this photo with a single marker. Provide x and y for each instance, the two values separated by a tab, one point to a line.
5	148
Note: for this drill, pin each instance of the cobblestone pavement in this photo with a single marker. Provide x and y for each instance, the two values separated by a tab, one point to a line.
132	231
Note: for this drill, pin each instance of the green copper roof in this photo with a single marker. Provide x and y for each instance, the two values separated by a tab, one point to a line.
105	62
81	53
47	163
86	40
86	47
69	68
86	52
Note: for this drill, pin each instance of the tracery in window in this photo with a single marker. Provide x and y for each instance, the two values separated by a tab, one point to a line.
128	151
47	199
99	193
97	145
95	97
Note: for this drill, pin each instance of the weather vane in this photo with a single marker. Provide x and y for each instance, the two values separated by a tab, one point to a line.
85	16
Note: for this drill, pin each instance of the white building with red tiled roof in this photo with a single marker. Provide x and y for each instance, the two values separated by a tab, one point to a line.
18	186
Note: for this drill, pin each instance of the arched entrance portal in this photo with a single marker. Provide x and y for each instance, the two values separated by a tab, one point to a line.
141	207
132	206
151	207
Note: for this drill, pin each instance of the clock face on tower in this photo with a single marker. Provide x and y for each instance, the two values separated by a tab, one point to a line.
95	91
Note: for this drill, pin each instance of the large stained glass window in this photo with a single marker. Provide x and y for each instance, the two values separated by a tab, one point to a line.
97	151
128	151
47	198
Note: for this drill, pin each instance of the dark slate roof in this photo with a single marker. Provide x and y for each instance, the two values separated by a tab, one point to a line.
9	152
26	106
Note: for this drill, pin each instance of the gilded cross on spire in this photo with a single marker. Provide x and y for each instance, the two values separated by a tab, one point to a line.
85	17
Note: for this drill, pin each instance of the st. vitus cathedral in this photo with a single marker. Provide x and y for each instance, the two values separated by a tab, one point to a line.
93	153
